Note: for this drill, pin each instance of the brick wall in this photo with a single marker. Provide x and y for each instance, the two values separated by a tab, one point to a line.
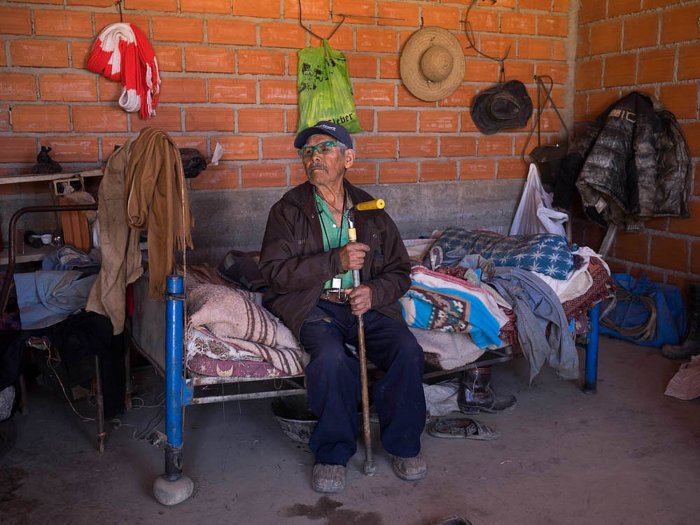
229	76
651	46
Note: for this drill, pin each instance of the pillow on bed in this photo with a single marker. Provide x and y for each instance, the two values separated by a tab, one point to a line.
236	313
542	252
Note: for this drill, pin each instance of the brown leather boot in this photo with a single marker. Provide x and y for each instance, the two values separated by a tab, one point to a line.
691	344
476	395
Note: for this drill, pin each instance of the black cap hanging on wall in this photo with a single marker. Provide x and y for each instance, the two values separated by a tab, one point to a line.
503	106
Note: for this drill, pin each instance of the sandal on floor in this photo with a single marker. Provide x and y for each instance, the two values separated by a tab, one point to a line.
462	428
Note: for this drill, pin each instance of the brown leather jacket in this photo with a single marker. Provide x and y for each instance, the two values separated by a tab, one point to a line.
295	266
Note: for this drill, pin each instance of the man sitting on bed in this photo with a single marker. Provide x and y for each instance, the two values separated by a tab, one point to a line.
307	262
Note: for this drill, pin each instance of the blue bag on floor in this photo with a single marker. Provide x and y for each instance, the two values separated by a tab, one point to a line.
637	301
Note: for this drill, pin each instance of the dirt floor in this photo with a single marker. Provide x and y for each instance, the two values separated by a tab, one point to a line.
626	455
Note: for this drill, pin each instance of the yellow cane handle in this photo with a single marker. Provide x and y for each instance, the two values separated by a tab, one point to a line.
376	204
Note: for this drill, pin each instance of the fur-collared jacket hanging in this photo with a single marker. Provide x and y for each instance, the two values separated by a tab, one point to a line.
630	165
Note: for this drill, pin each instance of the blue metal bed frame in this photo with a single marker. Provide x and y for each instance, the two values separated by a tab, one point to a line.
173	486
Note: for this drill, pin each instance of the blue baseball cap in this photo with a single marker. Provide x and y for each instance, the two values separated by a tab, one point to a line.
324	127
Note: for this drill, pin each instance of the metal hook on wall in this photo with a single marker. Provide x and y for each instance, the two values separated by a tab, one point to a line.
472	44
118	3
308	30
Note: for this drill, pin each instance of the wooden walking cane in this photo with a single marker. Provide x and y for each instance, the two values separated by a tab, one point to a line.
369	466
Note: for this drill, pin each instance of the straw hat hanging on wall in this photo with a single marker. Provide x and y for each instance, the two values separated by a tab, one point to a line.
432	64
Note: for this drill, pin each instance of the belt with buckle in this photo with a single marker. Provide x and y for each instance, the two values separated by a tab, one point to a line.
335	296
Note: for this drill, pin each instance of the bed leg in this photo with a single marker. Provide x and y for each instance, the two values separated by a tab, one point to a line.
589	386
173	487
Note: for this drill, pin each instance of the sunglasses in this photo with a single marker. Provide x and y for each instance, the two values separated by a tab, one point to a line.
306	152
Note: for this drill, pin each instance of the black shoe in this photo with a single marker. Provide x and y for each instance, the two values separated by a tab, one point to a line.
489	402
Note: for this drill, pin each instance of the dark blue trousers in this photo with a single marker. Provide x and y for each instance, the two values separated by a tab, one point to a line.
333	382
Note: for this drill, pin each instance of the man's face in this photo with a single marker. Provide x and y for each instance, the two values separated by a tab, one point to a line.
325	168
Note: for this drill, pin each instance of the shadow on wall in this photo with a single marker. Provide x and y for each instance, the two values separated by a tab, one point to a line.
236	218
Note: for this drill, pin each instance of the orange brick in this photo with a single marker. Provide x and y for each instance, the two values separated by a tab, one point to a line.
196	142
342	38
484	21
632	247
678	25
108	91
558	72
466	123
231	32
152	5
462	146
624	7
438	170
445	17
14	86
256	8
72	149
619	70
598	102
397	120
297	175
389	67
102	20
15	21
495	145
689	62
362	66
560	6
4	117
99	119
605	37
398	14
231	90
376	40
691	225
520	70
282	35
183	89
681	100
439	121
695	259
314	10
654	66
462	96
263	120
366	119
237	147
292	120
260	62
641	31
373	94
354	7
280	147
18	149
169	58
209	59
670	253
39	53
477	169
511	169
278	92
363	173
534	49
221	177
209	119
541	5
691	130
263	175
552	25
42	117
78	54
583	42
418	146
591	10
168	118
175	29
398	172
109	143
495	46
205	6
481	70
68	87
407	99
63	23
375	147
518	23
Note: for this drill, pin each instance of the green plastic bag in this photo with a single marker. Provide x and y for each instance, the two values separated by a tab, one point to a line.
324	88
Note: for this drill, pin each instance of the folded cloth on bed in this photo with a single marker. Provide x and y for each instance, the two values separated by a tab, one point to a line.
449	304
231	313
543	252
542	326
202	342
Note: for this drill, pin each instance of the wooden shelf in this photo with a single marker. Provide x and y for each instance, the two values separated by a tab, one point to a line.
23	179
30	254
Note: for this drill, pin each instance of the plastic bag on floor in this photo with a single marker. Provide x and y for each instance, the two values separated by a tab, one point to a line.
535	213
685	384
